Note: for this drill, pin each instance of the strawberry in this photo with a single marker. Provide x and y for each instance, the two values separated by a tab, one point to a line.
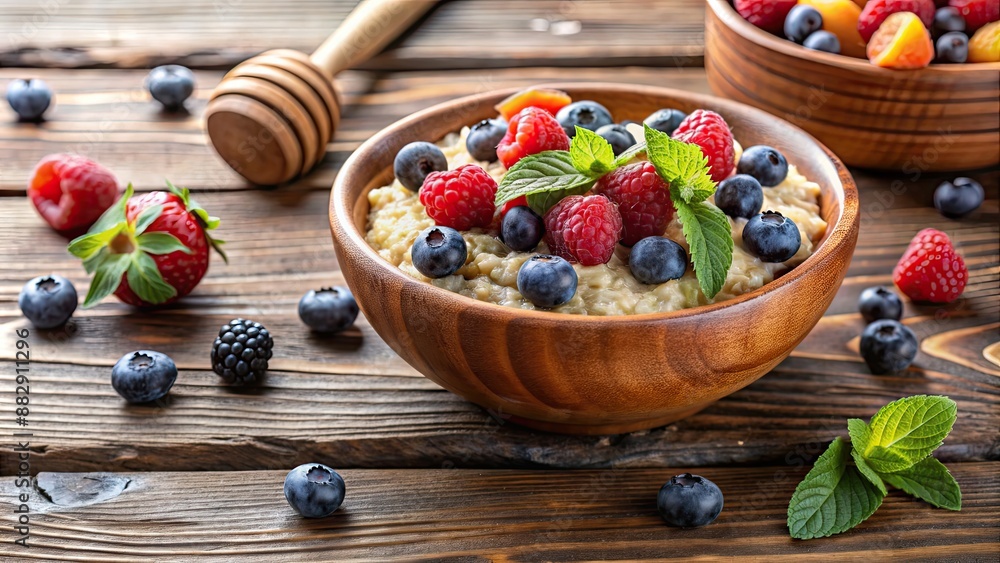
768	15
876	11
977	13
930	269
70	192
150	249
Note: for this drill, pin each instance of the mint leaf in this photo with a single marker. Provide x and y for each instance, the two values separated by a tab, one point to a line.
145	280
906	431
107	278
89	244
860	434
590	153
161	243
929	480
632	152
146	218
710	240
680	164
833	497
114	214
549	171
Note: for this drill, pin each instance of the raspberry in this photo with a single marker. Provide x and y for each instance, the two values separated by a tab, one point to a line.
875	12
977	13
709	131
461	198
583	229
768	15
531	131
643	200
70	192
930	270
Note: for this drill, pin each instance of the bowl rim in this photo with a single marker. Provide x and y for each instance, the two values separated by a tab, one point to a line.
341	219
734	21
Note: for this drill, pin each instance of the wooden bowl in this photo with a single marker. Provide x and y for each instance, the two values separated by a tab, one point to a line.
580	374
940	118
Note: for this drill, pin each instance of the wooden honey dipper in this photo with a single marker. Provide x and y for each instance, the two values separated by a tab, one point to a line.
272	116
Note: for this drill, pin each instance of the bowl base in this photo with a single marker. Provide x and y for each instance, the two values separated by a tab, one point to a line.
603	429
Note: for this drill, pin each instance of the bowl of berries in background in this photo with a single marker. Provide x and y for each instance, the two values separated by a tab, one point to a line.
907	85
576	373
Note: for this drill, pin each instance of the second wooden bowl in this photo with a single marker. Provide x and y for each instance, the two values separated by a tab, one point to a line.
939	118
579	374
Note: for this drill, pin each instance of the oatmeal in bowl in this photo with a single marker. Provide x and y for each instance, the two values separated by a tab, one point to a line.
625	239
611	280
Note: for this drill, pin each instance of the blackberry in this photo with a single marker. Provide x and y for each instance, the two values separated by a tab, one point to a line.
241	352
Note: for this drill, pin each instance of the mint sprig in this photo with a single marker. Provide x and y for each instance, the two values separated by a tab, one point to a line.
591	153
848	482
685	168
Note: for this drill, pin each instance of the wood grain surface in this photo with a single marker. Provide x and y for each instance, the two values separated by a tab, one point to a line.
461	515
349	401
381	414
457	34
108	116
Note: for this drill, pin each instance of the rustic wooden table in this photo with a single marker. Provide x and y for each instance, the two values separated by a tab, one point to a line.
429	475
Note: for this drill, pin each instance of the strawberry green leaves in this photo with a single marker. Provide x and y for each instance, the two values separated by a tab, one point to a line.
685	168
894	448
117	248
833	498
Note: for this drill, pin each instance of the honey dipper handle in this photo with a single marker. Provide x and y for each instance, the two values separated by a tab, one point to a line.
366	31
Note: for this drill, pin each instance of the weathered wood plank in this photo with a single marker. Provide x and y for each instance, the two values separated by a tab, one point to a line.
374	412
106	115
458	515
458	34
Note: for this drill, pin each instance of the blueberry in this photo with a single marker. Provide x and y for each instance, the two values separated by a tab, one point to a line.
587	114
959	197
888	346
654	260
170	85
689	501
771	237
880	303
665	120
822	41
438	252
143	376
29	98
48	301
314	490
739	196
484	137
521	229
331	309
765	164
948	19
415	161
952	47
801	21
619	137
547	281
